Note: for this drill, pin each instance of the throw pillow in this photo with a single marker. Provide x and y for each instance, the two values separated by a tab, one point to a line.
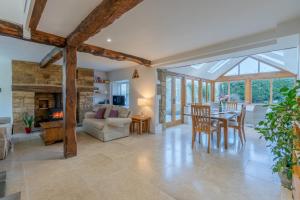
107	112
100	113
113	113
123	112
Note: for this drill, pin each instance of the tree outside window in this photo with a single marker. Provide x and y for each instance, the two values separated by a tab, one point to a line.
278	84
196	93
188	91
203	92
221	89
237	91
208	92
261	91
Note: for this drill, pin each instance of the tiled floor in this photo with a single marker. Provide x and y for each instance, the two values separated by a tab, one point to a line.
161	166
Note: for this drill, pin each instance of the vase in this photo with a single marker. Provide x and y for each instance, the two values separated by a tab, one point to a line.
285	182
27	130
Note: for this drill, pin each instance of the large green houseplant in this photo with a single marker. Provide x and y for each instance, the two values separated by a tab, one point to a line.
277	130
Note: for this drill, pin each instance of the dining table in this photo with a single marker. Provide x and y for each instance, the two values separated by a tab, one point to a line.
223	117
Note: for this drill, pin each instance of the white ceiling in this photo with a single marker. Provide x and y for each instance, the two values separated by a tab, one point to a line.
157	29
12	10
61	17
22	50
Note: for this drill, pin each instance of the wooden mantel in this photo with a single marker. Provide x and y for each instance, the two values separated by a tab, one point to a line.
38	88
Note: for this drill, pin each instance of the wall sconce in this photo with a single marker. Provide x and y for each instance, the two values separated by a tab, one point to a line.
135	74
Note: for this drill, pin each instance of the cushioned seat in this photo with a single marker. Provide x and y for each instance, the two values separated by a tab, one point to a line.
233	123
99	124
108	128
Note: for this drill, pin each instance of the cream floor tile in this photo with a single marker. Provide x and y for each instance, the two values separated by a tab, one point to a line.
161	166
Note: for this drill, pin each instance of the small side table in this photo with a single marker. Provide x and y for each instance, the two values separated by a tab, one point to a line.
143	123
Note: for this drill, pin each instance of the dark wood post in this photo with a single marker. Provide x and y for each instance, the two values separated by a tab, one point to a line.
70	101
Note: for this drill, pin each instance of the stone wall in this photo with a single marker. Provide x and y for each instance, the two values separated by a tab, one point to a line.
85	103
30	76
30	73
22	102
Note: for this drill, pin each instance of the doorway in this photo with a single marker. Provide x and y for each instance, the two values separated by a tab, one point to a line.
173	100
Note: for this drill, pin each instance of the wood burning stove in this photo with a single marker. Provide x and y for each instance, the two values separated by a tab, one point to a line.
55	114
48	107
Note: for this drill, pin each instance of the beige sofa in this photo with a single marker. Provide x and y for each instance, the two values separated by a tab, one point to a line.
109	128
5	137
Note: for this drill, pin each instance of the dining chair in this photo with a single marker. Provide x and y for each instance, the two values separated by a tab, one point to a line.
239	124
201	122
231	106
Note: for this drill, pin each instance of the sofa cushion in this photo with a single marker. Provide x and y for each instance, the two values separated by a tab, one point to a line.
107	111
123	112
99	124
113	113
100	113
118	122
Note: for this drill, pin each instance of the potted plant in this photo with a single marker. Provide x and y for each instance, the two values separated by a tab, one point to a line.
28	121
277	130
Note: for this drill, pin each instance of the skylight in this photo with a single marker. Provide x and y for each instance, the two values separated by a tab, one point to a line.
233	72
279	53
249	66
198	66
267	68
218	66
272	59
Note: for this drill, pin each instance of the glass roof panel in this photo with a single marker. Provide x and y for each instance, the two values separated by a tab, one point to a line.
217	66
233	72
249	66
267	68
198	66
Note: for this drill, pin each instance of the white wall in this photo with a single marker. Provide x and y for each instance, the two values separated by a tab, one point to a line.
102	87
143	87
5	85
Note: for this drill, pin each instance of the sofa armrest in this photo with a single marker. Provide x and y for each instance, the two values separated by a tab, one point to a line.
89	115
118	122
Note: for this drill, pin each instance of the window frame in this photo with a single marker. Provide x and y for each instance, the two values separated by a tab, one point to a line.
119	84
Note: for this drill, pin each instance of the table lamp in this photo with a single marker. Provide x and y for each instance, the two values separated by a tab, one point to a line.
143	102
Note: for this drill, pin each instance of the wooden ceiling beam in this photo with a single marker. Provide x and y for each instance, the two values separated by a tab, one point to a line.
114	55
53	56
48	39
103	15
38	8
16	31
11	30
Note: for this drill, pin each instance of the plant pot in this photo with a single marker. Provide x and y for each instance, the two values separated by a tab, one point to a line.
27	130
285	182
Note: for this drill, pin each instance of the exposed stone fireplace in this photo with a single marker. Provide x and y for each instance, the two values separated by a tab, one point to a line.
38	91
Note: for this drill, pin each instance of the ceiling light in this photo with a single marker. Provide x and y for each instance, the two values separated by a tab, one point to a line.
108	40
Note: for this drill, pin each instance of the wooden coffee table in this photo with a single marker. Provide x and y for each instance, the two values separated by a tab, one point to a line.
52	132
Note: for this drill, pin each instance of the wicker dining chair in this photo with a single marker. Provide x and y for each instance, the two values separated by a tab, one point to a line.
201	123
